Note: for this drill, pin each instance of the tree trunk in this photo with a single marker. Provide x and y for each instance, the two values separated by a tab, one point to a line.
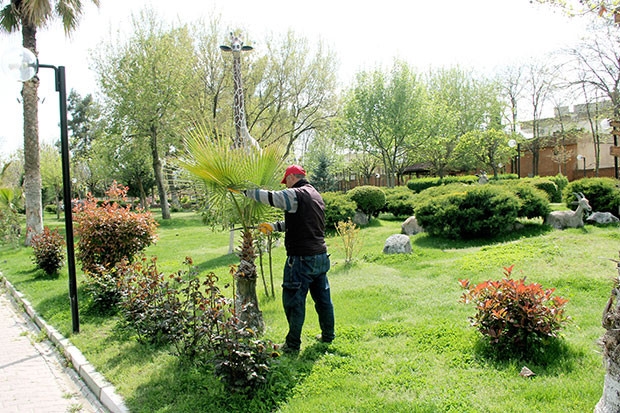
610	400
32	169
246	300
159	176
174	193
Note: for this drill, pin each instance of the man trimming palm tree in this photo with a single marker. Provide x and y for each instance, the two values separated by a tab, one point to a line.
307	260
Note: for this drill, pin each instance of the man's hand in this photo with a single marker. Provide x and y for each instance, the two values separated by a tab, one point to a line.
266	228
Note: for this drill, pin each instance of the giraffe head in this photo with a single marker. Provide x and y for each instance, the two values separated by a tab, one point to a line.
236	44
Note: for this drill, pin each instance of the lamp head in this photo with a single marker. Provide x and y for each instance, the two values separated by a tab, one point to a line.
19	64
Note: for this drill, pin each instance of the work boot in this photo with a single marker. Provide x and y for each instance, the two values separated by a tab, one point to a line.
320	338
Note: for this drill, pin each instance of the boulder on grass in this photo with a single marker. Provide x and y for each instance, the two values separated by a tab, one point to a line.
411	226
360	219
397	244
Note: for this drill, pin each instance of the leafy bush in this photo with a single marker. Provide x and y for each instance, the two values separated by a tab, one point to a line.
420	184
399	201
369	199
146	301
561	182
474	211
554	194
515	317
10	229
338	207
197	319
602	193
51	208
48	248
109	232
533	202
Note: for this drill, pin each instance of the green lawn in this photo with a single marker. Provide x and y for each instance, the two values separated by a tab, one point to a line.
403	343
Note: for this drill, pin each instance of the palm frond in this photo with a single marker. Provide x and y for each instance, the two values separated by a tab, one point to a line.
223	167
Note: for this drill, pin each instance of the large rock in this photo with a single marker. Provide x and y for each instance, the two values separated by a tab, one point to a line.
397	244
360	218
411	226
602	218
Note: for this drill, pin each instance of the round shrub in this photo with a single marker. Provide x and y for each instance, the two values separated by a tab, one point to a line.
338	207
533	202
369	199
48	250
602	193
473	212
51	208
561	182
516	318
399	201
549	187
109	232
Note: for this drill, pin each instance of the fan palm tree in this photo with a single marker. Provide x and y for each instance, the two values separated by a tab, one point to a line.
29	16
226	170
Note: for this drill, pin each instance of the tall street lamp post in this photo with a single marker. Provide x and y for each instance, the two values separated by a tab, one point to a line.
23	65
582	158
512	143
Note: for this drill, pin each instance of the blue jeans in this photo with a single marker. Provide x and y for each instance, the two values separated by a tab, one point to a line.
303	274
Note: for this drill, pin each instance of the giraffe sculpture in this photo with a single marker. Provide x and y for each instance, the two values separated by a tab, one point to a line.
243	139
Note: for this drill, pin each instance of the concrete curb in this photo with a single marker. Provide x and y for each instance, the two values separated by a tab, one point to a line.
102	389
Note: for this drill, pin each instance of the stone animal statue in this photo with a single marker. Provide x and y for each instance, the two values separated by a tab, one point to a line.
602	218
570	219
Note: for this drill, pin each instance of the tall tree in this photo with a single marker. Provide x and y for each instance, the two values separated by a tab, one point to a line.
486	149
458	103
541	81
146	88
512	86
28	16
383	113
294	91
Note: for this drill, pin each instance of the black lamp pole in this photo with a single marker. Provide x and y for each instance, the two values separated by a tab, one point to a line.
61	88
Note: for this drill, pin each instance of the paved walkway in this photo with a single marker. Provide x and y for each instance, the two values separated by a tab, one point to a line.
33	377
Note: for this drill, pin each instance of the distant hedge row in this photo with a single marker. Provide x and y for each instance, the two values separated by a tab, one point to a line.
459	207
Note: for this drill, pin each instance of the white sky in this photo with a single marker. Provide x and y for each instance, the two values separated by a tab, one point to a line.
478	34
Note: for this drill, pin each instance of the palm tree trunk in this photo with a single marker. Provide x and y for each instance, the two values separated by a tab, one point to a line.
246	300
32	169
610	400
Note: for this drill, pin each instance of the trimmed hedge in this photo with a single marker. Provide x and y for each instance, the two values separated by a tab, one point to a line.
475	211
603	194
338	207
399	201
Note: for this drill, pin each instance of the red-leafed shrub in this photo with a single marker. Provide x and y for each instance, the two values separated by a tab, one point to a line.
48	248
514	316
190	313
109	232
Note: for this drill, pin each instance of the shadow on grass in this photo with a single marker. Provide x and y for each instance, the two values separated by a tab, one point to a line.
180	388
528	231
556	358
221	261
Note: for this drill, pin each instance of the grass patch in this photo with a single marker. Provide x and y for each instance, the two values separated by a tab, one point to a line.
403	343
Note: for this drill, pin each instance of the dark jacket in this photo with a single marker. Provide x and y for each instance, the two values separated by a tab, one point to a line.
305	228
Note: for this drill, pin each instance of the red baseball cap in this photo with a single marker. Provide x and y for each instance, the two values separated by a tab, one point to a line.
293	170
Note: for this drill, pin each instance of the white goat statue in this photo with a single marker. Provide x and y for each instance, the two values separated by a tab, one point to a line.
570	219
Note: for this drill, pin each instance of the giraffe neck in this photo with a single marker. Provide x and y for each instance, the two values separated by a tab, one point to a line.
241	127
